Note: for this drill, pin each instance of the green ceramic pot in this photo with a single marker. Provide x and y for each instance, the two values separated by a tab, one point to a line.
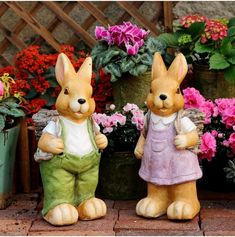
118	177
8	142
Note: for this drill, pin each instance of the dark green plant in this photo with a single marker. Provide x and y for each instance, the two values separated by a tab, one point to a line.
230	170
10	111
116	61
219	54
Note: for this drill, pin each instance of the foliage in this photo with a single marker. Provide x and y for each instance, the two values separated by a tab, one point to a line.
10	108
230	170
218	137
121	127
35	77
205	41
125	48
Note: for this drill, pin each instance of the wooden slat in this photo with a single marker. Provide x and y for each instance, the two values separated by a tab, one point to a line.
13	38
3	61
88	22
40	29
19	27
3	8
70	22
133	11
168	16
126	16
94	11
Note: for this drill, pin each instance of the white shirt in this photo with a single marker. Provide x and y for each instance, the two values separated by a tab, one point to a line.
162	122
77	140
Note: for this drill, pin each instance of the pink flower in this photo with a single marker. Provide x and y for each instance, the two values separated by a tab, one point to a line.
1	89
228	117
118	118
207	147
108	130
186	21
138	121
112	107
132	49
102	34
214	133
192	98
231	141
129	107
208	108
224	103
220	135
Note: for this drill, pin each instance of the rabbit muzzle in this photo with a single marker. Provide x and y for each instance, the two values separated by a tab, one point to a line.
79	108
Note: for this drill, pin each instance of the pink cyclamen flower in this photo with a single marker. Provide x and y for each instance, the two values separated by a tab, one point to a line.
192	98
130	107
117	118
1	89
207	147
102	34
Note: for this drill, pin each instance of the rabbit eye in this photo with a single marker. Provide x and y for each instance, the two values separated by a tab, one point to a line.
66	92
178	91
150	91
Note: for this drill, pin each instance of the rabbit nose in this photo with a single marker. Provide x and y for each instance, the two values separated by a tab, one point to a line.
81	101
163	97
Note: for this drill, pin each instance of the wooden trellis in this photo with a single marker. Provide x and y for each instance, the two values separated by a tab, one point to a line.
11	36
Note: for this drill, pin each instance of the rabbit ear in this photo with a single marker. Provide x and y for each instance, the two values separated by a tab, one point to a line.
63	67
178	68
158	67
85	71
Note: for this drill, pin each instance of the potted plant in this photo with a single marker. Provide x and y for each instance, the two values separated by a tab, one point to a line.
10	112
217	148
119	179
125	52
209	45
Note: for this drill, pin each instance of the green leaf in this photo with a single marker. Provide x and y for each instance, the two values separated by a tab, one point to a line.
229	74
114	69
169	39
196	29
202	48
146	59
32	93
2	122
113	78
48	98
97	49
138	70
16	112
109	55
11	104
231	60
136	58
127	65
226	46
153	45
218	62
231	31
231	22
4	110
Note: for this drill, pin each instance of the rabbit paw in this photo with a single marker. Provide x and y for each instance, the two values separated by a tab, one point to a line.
149	207
63	214
139	152
56	146
101	141
181	142
180	210
92	209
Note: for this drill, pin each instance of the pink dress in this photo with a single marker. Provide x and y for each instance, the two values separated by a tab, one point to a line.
162	163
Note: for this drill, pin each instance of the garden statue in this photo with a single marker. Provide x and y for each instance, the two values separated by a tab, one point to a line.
168	166
68	150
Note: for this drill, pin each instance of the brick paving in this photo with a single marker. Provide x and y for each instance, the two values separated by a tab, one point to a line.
217	217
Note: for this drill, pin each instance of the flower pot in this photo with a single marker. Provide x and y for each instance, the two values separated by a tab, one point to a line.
8	142
131	89
118	177
214	177
211	83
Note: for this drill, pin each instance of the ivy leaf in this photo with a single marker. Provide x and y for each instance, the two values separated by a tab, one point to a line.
229	74
146	59
218	62
127	65
2	122
202	48
138	70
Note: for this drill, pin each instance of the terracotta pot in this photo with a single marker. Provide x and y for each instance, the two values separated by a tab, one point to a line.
118	177
211	83
130	89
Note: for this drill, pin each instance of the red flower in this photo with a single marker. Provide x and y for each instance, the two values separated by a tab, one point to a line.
187	21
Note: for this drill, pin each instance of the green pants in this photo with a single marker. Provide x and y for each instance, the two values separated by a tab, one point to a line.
69	179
